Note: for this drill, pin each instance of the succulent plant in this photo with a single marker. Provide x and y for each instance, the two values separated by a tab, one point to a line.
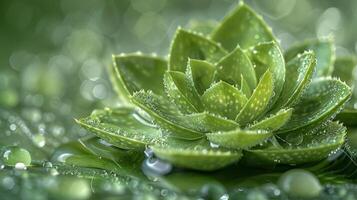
226	96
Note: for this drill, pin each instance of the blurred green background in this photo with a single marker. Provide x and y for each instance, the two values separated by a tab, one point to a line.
54	54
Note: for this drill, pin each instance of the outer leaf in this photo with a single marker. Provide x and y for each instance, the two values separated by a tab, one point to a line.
165	114
201	73
299	72
268	56
258	102
224	99
244	27
191	45
273	122
133	72
239	139
348	117
324	50
122	127
181	90
322	100
206	122
303	147
232	67
198	155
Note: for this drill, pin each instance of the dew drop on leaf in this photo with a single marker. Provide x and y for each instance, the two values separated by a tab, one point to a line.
14	155
154	166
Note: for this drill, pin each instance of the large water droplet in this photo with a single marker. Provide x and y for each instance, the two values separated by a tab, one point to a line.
154	166
300	183
14	155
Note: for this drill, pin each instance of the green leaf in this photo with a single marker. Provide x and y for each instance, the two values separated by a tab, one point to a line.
223	99
165	114
348	117
259	100
198	155
299	72
133	72
273	122
187	45
268	56
201	73
182	92
238	138
206	122
324	50
122	127
322	100
244	87
298	148
232	67
244	27
344	67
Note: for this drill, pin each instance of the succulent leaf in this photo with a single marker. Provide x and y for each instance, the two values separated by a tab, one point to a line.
324	98
122	127
249	29
135	72
273	122
233	66
238	138
182	92
206	122
224	99
201	73
258	102
302	147
324	50
198	155
299	72
187	45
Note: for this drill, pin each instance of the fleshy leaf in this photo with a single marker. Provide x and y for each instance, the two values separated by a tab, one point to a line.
299	148
165	114
323	99
238	138
182	92
206	122
122	127
268	56
201	73
223	99
233	66
259	100
273	122
244	27
299	72
134	72
348	116
196	155
244	87
192	45
324	50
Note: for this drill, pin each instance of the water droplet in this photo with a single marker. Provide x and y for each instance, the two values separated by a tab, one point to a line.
154	166
149	153
62	158
13	127
14	155
213	145
20	166
294	139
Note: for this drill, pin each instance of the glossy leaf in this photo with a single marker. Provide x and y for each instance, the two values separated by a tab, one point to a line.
122	127
303	147
196	155
268	56
324	50
182	92
299	72
201	73
187	45
245	88
324	98
232	67
244	27
134	72
238	138
224	99
273	122
206	122
165	114
258	102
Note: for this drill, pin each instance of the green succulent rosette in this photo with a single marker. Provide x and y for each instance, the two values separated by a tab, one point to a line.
227	95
